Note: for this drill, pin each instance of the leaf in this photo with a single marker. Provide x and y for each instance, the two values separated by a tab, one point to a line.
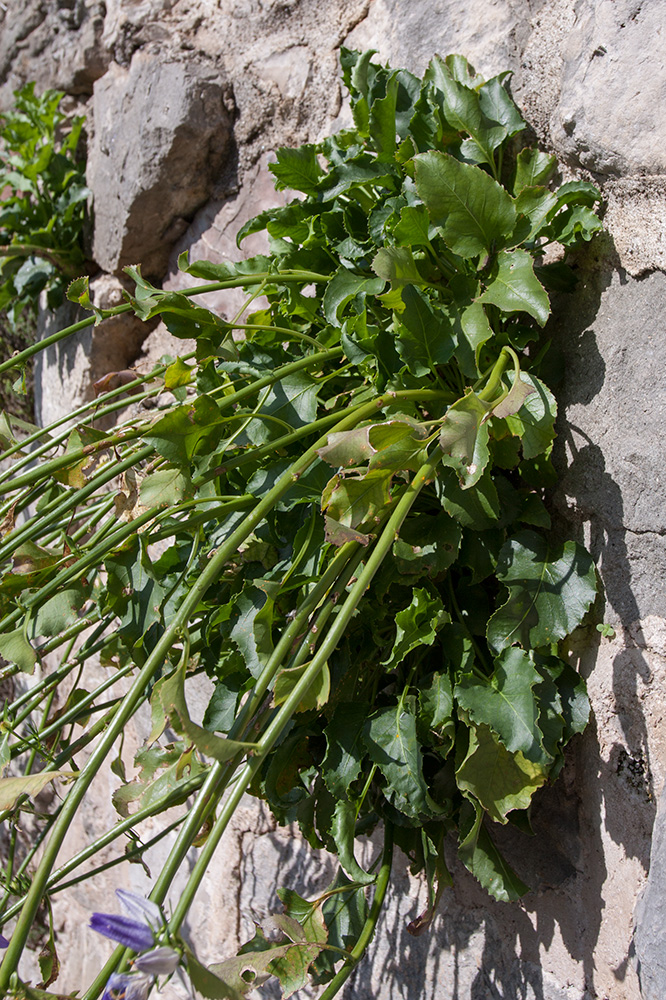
497	106
397	265
536	204
308	915
463	110
357	500
551	589
506	702
343	288
425	336
436	711
174	706
391	742
178	434
297	169
413	227
533	168
342	831
338	534
209	984
165	488
534	423
464	439
500	780
398	444
11	789
58	612
251	619
520	389
417	625
15	648
480	856
177	374
514	287
347	449
476	508
427	545
475	331
343	761
472	210
316	695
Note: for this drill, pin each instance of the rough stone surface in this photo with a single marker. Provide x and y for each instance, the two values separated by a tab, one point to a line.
590	77
66	371
651	917
161	130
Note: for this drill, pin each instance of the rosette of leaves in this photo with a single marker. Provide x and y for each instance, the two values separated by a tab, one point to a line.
349	506
44	195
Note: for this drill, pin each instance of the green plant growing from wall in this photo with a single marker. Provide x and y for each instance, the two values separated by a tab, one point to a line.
354	544
44	195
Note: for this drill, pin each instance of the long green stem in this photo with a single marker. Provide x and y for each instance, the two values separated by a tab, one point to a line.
367	933
283	716
137	692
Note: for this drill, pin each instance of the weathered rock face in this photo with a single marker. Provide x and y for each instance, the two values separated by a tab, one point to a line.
589	76
161	134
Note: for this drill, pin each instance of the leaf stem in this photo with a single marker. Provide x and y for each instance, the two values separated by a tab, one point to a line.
367	933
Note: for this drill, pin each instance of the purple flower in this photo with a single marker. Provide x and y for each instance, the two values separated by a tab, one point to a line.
4	943
127	986
136	931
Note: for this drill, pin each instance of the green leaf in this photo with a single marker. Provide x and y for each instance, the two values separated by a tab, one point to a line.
514	287
413	228
476	508
58	612
392	744
397	265
551	589
165	488
534	423
212	986
500	780
416	625
308	915
464	439
497	106
536	204
172	695
15	648
398	444
357	500
179	374
574	223
475	331
344	287
425	336
480	856
506	702
30	784
316	695
297	169
472	210
178	434
428	544
342	831
345	749
250	625
436	712
533	168
463	111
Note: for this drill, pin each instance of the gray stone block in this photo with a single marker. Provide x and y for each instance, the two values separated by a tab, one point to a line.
160	140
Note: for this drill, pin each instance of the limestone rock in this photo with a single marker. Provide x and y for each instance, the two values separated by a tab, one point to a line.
161	136
612	108
56	44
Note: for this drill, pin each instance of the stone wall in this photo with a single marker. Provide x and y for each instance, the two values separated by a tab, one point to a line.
186	100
